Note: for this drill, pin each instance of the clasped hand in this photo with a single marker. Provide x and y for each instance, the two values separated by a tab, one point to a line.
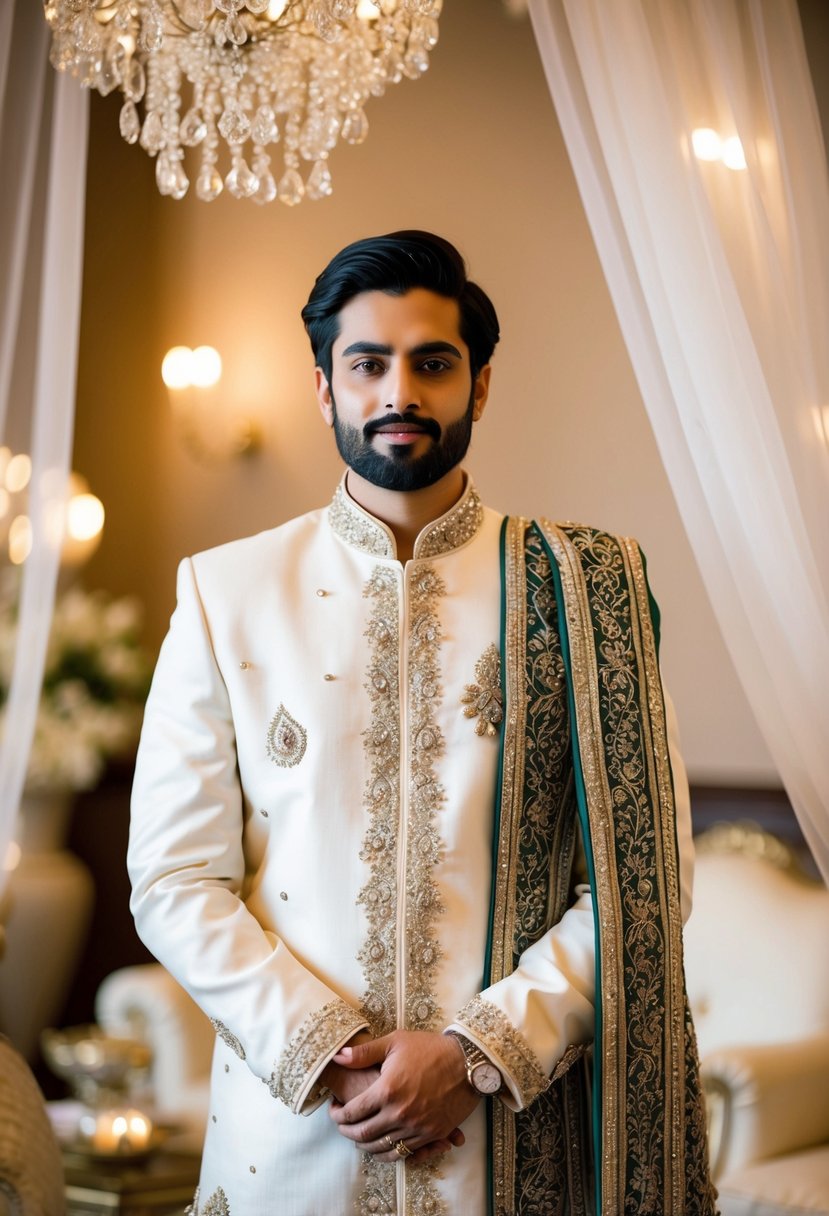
410	1085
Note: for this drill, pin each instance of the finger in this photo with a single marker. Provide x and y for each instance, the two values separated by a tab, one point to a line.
363	1055
359	1109
456	1138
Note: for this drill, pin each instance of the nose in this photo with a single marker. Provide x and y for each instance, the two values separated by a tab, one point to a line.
401	385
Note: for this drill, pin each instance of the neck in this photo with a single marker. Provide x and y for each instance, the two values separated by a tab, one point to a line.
407	513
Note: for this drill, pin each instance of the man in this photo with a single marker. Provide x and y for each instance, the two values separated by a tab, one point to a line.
375	740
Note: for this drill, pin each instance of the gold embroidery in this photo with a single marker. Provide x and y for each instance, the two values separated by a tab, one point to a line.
453	529
423	843
485	700
320	1031
491	1027
227	1037
217	1204
353	525
192	1209
415	909
287	740
382	801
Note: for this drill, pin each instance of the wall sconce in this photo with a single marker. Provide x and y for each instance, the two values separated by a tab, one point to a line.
709	145
208	428
74	516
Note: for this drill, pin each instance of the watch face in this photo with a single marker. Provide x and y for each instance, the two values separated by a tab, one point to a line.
486	1078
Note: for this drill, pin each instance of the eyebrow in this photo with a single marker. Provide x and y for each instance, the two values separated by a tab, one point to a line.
425	348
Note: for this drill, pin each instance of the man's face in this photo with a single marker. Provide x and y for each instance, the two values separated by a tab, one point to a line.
401	398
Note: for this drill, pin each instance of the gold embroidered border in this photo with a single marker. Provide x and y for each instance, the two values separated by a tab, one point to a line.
491	1027
216	1205
656	749
356	527
320	1031
607	897
379	896
228	1037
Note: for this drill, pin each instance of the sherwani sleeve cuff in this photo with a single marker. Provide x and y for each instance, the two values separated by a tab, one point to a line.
295	1077
489	1028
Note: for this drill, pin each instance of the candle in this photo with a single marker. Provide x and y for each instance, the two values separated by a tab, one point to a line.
116	1132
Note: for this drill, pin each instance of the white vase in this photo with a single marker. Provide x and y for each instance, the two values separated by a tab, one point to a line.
47	908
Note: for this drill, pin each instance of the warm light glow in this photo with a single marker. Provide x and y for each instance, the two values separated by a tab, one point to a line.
85	516
12	860
206	367
275	9
821	417
119	1125
733	156
5	503
20	539
5	457
18	473
176	369
139	1126
367	10
707	144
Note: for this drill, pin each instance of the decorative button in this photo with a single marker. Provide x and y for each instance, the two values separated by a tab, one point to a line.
264	814
283	894
321	592
213	1117
328	676
244	664
253	1169
227	1068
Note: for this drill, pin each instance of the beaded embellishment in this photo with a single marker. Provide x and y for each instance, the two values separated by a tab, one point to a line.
287	740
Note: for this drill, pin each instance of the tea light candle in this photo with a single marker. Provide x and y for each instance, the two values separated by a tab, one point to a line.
116	1132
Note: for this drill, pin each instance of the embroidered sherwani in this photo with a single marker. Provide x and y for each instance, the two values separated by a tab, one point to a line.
319	842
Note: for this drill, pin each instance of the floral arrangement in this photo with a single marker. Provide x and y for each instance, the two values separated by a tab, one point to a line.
94	686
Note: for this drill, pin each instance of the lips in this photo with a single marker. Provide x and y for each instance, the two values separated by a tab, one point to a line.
399	428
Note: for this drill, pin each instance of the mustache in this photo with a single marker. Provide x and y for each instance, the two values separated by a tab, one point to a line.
427	425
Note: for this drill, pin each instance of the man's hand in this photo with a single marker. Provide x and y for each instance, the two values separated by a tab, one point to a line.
420	1097
347	1083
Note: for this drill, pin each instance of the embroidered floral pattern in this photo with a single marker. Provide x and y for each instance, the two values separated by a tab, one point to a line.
228	1037
485	700
319	1033
287	740
216	1205
454	529
499	1038
418	905
382	801
356	528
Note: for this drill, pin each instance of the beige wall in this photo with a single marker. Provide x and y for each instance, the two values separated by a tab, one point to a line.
472	151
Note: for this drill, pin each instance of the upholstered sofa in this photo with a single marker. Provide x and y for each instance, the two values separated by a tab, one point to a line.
756	961
756	950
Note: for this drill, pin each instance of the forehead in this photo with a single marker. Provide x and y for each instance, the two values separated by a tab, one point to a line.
400	322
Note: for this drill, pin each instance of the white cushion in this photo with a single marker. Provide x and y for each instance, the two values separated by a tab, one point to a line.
794	1185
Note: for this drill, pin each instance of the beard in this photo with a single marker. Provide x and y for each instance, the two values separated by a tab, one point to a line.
399	469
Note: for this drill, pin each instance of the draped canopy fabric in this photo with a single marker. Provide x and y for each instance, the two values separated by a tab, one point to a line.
43	132
720	279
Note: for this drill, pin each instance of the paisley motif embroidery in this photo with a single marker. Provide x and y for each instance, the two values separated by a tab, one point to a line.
228	1037
485	700
287	740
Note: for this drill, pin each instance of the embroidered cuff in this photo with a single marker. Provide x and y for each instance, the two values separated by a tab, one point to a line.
495	1034
320	1037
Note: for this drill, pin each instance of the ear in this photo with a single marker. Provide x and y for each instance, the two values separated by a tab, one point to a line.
480	394
323	391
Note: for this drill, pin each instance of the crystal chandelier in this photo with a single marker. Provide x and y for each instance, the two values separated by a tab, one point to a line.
245	74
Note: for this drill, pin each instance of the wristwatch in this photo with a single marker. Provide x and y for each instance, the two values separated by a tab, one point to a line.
481	1073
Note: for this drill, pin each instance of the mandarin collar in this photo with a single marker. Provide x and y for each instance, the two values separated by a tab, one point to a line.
363	531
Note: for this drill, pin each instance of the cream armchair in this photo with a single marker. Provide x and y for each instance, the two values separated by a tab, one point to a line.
758	983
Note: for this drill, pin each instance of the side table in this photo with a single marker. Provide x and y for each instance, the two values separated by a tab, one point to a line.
162	1184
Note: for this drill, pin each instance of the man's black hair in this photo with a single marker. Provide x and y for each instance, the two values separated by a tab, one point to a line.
397	263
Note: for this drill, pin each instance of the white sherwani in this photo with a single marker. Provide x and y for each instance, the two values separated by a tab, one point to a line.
312	840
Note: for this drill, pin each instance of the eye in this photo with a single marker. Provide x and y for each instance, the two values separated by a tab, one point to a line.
435	365
368	367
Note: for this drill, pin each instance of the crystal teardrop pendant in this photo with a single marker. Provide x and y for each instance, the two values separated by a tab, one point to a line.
135	80
241	181
234	124
263	128
129	123
267	189
193	128
209	184
153	138
319	181
290	189
355	127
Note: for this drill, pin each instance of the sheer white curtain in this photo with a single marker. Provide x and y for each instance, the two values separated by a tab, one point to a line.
720	279
43	130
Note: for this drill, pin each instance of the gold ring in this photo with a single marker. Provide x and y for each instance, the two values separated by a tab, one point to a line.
402	1149
389	1143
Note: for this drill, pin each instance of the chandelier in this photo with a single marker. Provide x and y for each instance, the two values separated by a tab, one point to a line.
232	78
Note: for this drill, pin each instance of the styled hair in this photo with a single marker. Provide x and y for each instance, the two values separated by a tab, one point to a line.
397	263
